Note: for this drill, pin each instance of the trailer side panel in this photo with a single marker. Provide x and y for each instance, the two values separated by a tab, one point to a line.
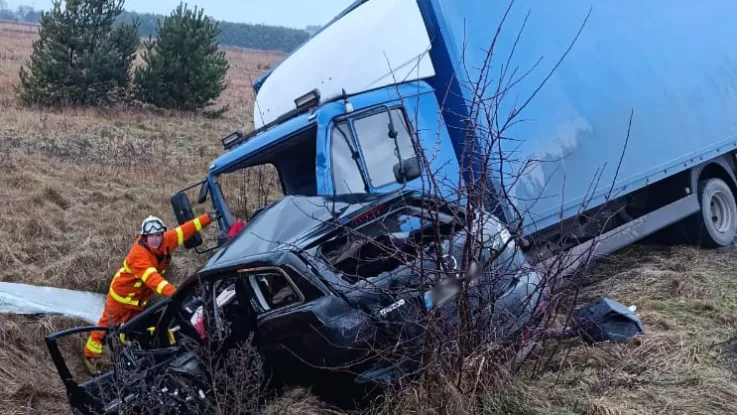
672	64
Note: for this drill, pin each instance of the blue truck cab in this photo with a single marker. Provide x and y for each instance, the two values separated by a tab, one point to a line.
592	120
353	144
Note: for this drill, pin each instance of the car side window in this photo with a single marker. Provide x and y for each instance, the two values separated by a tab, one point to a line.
274	290
378	149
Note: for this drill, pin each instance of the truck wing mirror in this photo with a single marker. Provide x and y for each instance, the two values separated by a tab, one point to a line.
407	170
183	211
202	198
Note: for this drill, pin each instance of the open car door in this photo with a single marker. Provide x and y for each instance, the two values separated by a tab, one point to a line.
81	396
123	366
153	359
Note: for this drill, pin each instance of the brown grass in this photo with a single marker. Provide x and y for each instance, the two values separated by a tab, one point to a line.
29	382
684	365
77	183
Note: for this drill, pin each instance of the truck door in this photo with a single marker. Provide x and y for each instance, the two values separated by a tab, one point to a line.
357	154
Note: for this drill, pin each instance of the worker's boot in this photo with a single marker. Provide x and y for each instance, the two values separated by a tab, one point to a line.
92	366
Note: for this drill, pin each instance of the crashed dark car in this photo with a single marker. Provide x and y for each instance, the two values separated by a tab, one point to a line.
323	283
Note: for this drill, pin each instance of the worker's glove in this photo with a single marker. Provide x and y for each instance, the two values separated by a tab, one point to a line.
214	215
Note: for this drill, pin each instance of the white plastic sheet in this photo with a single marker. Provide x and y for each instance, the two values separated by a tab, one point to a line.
32	299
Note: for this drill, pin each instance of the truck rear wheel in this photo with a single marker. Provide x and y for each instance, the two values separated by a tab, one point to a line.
716	224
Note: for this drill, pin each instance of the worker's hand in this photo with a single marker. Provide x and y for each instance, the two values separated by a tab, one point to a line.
214	215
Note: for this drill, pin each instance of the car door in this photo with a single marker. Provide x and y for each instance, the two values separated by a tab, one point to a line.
294	318
92	395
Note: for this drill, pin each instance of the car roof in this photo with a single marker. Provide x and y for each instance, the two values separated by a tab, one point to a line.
293	222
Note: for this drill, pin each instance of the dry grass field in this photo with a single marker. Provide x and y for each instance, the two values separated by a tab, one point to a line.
76	184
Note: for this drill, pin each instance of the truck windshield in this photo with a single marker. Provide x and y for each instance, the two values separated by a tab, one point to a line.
249	189
284	168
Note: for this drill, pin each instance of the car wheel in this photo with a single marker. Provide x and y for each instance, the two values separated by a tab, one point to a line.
716	224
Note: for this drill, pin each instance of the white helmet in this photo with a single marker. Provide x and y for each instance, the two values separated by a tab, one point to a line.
152	224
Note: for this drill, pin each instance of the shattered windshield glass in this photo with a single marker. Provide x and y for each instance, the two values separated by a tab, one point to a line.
271	172
249	189
385	242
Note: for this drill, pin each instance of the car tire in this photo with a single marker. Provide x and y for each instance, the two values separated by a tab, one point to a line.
715	225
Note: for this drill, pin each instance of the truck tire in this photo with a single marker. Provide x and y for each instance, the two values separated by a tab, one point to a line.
716	224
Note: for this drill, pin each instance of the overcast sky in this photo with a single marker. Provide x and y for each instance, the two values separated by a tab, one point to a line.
292	13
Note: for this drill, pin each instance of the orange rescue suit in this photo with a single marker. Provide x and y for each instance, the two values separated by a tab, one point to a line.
141	274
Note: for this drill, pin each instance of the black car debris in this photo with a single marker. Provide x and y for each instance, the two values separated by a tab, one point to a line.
312	281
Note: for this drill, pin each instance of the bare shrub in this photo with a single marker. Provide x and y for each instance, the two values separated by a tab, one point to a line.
466	355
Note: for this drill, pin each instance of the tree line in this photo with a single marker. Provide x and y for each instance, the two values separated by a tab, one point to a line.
252	36
25	14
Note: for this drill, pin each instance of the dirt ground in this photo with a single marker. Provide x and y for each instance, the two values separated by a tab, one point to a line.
77	183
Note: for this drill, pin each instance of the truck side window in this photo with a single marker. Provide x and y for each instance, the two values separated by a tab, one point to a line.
346	174
379	150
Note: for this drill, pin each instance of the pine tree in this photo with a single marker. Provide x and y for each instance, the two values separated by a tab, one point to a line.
183	68
81	56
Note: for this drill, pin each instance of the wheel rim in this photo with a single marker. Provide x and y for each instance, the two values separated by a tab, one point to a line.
720	213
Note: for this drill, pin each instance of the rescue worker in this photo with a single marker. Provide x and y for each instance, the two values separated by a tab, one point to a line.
141	274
